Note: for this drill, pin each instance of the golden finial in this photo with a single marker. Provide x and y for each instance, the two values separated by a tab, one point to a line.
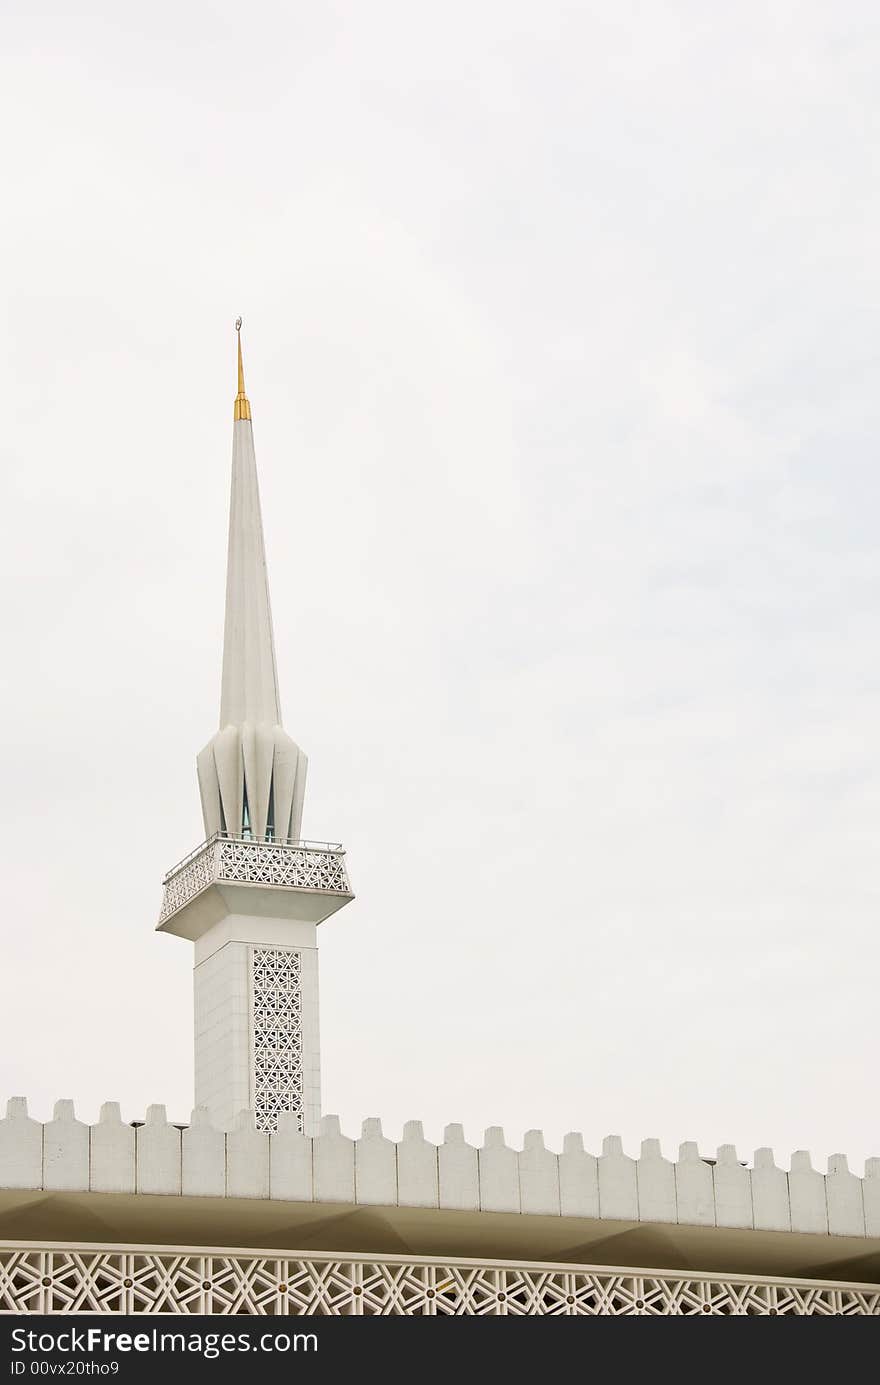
242	404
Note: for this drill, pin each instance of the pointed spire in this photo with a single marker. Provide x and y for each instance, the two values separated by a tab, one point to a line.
250	683
242	403
252	776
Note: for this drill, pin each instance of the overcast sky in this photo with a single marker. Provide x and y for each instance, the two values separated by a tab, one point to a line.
561	337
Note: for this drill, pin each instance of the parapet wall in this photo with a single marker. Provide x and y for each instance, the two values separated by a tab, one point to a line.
112	1156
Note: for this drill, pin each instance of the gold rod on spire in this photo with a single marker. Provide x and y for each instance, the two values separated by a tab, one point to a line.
242	404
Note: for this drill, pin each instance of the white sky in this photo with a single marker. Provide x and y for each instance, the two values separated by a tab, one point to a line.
561	328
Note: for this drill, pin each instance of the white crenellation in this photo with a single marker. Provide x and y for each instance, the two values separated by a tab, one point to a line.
200	1160
655	1181
843	1192
694	1187
111	1153
158	1154
871	1195
459	1171
375	1167
417	1179
499	1173
333	1163
770	1209
578	1178
290	1161
733	1190
203	1171
21	1147
618	1186
807	1195
65	1151
247	1159
538	1176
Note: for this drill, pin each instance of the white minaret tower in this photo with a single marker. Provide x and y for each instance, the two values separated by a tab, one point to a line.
252	895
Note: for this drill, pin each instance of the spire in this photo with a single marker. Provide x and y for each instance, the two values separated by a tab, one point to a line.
242	403
250	682
252	776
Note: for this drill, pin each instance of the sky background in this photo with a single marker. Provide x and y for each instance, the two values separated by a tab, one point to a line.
561	337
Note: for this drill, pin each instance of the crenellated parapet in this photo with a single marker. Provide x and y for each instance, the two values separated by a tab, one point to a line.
199	1160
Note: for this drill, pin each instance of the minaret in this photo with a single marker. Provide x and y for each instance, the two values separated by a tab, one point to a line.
252	895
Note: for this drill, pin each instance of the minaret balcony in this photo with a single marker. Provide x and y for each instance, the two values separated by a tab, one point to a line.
259	877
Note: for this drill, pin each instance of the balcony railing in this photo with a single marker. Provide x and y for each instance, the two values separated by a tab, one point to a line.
300	865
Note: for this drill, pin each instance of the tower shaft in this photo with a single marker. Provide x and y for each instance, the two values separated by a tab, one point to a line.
257	1043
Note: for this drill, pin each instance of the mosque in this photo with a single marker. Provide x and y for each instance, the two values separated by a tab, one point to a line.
262	1205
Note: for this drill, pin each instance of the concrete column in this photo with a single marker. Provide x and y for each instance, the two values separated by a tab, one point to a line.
257	1045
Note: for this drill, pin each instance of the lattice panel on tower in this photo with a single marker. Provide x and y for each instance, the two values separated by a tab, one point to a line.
276	983
187	881
97	1279
272	863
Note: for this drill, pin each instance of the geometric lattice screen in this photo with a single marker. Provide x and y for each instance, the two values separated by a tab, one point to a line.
276	1035
95	1279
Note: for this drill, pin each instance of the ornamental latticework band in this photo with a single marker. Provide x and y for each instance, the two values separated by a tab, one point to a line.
93	1279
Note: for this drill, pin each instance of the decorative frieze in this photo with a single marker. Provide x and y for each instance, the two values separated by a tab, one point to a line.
43	1278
